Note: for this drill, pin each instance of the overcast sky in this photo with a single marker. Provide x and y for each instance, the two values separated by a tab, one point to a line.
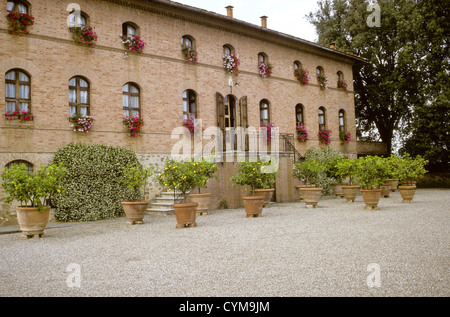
287	16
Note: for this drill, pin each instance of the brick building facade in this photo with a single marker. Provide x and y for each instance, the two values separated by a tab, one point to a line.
53	76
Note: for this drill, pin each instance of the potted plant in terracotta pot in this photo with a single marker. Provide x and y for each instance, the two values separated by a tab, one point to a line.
346	168
181	176
308	171
333	172
135	179
205	170
33	191
252	174
410	170
372	172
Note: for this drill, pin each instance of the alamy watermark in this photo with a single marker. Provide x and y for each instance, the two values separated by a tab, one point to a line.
374	278
74	277
374	19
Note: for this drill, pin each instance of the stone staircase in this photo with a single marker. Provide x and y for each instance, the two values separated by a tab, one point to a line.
162	204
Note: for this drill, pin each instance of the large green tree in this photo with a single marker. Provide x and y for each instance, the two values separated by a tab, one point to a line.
389	87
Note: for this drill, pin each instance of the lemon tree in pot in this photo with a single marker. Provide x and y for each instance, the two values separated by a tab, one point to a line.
181	176
409	171
135	178
253	175
372	172
392	163
33	191
308	172
333	172
204	170
346	169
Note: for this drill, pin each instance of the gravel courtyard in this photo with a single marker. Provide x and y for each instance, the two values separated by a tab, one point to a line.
338	249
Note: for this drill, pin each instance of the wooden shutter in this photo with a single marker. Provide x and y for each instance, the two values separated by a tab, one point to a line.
243	112
220	111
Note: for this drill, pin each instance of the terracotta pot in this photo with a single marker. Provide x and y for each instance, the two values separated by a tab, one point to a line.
311	196
385	190
371	197
349	192
337	189
266	193
393	182
300	192
203	201
253	206
32	221
186	214
134	211
407	192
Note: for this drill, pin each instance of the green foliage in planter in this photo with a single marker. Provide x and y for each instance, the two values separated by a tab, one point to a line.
252	174
135	179
205	170
411	169
33	189
179	175
309	171
393	164
92	190
372	171
326	156
346	169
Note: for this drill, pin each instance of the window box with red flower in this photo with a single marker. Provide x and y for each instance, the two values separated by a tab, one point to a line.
18	22
345	137
302	133
302	76
134	124
231	64
323	81
324	136
24	115
84	36
342	84
82	124
189	54
265	70
133	43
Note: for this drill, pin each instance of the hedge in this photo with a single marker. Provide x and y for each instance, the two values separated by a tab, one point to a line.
92	191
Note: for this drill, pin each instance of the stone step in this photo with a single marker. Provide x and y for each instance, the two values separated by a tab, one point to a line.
160	205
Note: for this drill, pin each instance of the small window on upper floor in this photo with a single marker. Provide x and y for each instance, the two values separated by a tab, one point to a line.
188	42
18	6
262	58
264	112
341	121
131	100
339	76
299	114
130	29
227	50
79	97
322	118
190	104
17	91
78	19
297	66
320	71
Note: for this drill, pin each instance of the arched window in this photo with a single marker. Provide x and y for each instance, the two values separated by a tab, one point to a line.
297	66
17	6
18	162
322	118
129	29
320	71
264	112
79	97
341	121
78	19
17	91
188	41
262	58
228	50
339	76
131	100
189	104
299	114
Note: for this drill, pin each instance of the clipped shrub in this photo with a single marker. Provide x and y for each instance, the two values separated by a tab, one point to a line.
327	157
92	191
